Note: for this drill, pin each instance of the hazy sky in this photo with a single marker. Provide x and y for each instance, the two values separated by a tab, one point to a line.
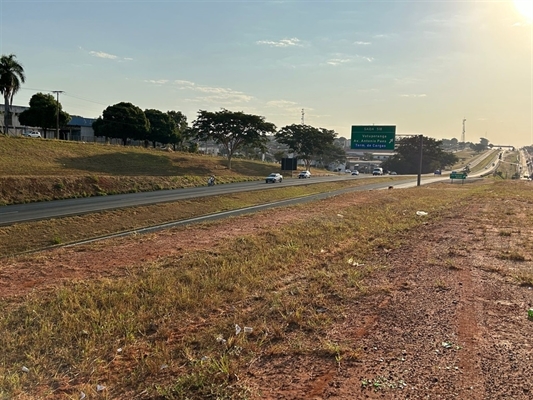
420	65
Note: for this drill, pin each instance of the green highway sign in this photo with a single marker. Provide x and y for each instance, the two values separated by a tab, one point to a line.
373	137
458	175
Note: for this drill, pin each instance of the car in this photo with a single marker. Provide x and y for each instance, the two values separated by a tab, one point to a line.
348	171
304	175
393	173
438	172
273	178
33	134
355	172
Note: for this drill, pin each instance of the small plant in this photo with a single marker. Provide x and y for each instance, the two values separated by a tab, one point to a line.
441	285
57	240
512	256
505	233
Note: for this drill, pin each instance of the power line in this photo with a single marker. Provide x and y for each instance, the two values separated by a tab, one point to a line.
65	94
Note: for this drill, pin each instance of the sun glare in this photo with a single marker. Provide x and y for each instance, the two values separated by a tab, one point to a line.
525	7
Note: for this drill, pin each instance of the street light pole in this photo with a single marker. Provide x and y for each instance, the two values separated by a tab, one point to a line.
419	177
57	114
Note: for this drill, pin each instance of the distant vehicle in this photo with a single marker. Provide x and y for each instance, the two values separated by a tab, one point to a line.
438	172
377	171
33	134
348	171
355	172
304	175
393	173
273	178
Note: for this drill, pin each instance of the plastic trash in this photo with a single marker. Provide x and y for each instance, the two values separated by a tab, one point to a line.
421	213
237	329
25	369
248	329
119	350
100	388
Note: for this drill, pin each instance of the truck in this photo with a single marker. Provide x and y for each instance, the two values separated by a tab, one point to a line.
377	171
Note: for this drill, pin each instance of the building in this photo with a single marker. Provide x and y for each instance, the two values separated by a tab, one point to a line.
79	128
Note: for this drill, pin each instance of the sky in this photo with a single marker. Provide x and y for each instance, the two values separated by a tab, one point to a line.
422	65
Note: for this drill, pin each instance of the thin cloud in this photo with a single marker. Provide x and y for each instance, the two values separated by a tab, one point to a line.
157	82
107	56
215	94
359	43
280	43
101	54
413	95
281	103
338	61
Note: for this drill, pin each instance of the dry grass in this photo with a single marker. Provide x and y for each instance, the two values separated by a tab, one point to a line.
168	329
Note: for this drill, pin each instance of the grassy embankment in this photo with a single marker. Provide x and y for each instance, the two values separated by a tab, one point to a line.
40	170
167	329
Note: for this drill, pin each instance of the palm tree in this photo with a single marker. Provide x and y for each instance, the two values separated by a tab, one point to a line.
11	77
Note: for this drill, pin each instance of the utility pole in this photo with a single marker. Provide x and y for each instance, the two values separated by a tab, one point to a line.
303	117
419	177
57	114
464	130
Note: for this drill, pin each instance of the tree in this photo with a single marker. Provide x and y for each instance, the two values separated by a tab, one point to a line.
11	78
162	127
43	113
368	156
122	121
331	153
182	132
305	141
407	157
232	130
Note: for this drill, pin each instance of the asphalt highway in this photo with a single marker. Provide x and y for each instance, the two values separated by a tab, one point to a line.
17	213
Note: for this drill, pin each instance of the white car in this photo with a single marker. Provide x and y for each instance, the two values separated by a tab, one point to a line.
273	178
33	134
304	175
355	172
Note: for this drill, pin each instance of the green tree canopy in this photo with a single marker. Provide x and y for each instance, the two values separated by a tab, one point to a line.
331	153
162	127
182	133
11	78
305	141
43	113
407	157
233	130
122	121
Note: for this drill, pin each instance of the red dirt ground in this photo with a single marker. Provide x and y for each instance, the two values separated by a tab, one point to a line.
452	323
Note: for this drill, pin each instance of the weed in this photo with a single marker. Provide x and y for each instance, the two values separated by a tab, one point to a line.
441	285
56	240
512	256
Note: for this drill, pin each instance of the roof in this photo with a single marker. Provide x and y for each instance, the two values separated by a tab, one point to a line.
81	121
